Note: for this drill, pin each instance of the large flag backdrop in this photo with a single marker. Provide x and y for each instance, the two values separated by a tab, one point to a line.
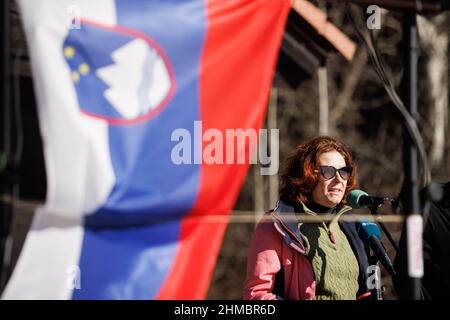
120	218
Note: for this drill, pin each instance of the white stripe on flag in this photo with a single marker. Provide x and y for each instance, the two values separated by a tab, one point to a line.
76	150
45	269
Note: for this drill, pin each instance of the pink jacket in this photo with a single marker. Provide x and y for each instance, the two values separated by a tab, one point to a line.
267	253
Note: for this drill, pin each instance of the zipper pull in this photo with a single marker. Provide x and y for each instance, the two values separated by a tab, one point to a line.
332	238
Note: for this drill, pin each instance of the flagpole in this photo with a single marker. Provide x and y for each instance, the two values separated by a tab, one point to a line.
411	199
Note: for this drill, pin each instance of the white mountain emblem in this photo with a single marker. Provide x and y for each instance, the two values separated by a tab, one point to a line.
138	80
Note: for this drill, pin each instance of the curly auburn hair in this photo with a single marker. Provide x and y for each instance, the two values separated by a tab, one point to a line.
298	178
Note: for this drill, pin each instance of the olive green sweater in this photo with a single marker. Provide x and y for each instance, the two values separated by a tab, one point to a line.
334	264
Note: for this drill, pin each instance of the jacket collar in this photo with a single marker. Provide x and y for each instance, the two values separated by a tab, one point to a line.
286	223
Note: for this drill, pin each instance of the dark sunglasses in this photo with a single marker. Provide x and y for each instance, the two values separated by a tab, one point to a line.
329	172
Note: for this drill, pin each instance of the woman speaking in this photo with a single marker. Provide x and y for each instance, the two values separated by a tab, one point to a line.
323	260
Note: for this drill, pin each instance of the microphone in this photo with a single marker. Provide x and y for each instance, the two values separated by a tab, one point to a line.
370	234
358	199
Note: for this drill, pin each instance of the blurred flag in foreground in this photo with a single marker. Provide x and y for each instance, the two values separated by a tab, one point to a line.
114	80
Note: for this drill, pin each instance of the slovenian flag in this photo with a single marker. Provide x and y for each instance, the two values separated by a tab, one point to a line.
114	79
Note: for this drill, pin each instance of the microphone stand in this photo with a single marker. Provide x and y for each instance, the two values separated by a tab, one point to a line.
374	211
377	293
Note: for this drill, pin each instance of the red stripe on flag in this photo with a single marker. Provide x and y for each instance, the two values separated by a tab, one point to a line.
242	45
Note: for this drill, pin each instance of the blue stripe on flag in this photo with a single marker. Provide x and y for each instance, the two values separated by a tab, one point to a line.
130	258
